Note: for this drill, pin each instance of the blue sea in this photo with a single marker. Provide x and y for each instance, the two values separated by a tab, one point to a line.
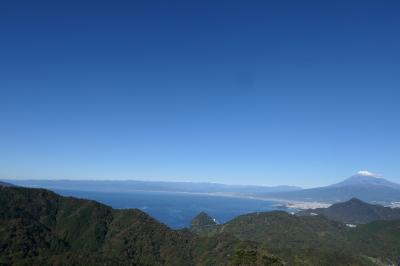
177	209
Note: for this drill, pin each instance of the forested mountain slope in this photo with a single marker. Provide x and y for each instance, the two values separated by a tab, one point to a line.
39	227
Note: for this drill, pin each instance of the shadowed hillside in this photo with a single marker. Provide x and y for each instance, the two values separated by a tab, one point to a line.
355	211
315	240
39	227
5	184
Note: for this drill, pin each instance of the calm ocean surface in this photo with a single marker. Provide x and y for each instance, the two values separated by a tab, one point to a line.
176	209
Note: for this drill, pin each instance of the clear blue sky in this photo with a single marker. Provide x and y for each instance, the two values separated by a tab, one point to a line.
250	92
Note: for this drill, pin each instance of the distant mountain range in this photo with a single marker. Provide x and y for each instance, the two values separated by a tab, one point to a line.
355	212
364	186
135	185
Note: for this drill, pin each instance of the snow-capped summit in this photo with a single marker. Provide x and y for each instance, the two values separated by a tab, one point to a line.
367	173
366	178
364	185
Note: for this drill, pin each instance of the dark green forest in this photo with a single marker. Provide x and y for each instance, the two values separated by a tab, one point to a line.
39	227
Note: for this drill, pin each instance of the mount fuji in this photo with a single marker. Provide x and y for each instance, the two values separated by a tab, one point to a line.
366	179
364	185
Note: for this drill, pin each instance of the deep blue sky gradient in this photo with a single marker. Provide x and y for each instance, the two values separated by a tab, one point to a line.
249	92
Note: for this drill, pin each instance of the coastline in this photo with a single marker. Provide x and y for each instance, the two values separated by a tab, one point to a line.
290	204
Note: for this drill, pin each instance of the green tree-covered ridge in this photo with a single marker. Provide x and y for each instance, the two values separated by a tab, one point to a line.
315	240
39	227
355	211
